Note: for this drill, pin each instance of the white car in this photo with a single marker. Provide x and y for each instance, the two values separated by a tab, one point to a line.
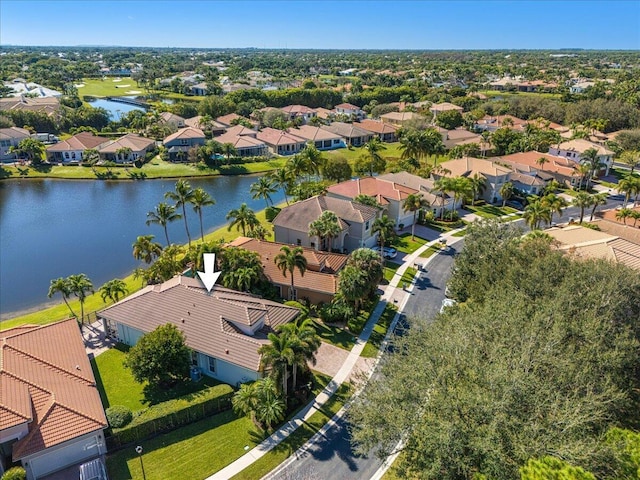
447	302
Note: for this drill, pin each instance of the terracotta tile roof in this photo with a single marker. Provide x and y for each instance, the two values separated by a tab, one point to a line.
444	107
347	130
470	165
376	126
196	122
241	141
186	133
203	317
555	164
241	130
323	112
298	109
422	185
169	117
314	134
299	215
347	106
400	116
525	179
587	243
133	141
382	190
274	137
80	141
579	145
48	105
228	119
46	377
322	267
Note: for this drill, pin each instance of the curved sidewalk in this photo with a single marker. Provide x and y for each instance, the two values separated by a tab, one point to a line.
391	295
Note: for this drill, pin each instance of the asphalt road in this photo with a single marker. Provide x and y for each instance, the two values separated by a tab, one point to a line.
332	457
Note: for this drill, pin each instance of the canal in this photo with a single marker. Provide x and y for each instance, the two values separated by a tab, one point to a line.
56	228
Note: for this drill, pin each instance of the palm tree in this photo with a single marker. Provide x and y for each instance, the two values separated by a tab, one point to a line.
297	166
584	170
635	214
313	159
626	186
278	356
263	188
414	203
590	157
288	260
91	156
631	158
80	285
113	289
461	188
182	195
535	213
199	199
326	226
242	218
245	401
478	185
597	200
373	148
306	343
271	408
541	161
282	179
384	227
554	203
623	214
440	188
145	249
506	192
123	154
61	285
582	200
228	149
163	215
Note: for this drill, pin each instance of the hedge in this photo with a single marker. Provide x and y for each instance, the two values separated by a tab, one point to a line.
169	415
271	212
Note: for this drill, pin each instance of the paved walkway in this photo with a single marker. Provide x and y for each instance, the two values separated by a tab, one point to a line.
95	340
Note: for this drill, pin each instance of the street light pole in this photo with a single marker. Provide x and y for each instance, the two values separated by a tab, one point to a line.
139	452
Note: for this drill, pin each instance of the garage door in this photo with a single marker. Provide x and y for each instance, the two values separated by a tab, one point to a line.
59	458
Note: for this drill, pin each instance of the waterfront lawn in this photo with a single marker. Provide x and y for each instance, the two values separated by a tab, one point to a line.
372	347
287	447
97	87
334	335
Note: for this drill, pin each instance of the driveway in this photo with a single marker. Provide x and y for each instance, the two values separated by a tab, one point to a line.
330	358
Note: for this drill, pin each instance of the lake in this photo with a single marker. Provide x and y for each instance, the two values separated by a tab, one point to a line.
116	109
56	228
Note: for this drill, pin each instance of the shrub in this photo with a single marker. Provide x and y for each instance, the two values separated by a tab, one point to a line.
271	212
15	473
118	416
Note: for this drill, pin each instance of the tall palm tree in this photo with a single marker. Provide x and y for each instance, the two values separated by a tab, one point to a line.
373	148
626	186
584	170
263	188
554	203
200	199
591	158
297	166
113	289
414	203
461	188
597	200
289	260
440	188
61	285
541	161
478	185
282	179
145	249
313	158
535	213
182	195
326	226
635	214
228	149
278	355
623	214
384	227
242	218
80	285
506	192
630	158
163	215
306	343
582	200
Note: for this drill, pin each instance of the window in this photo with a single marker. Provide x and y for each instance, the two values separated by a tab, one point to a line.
298	242
366	225
212	364
313	244
66	155
184	141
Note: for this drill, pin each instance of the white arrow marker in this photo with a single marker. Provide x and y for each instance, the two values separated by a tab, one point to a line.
209	277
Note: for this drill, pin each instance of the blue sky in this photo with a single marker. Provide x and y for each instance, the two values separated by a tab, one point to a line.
452	24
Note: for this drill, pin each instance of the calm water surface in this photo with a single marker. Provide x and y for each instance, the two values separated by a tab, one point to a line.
56	228
116	109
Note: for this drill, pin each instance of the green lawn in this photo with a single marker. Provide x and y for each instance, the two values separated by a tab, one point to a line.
430	251
379	331
157	168
391	152
97	87
335	335
498	93
403	243
94	302
461	233
117	386
298	438
390	270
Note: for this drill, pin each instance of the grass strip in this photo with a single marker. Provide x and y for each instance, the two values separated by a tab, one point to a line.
372	347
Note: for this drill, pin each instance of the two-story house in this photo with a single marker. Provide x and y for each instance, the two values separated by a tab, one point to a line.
495	175
299	112
386	132
291	225
353	111
575	149
179	143
11	137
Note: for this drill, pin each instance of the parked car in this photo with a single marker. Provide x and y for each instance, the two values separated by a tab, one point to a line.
93	470
447	302
389	252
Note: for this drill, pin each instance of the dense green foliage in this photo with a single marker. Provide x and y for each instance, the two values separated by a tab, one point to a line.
541	357
118	416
